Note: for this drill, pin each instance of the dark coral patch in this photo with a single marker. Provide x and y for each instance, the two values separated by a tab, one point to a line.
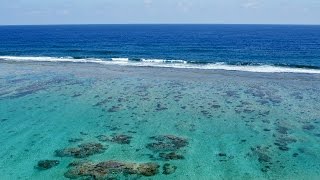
282	130
103	102
167	143
308	127
74	140
3	120
108	169
76	95
161	107
147	169
215	106
222	154
169	169
295	154
263	157
171	156
114	109
121	139
284	148
161	146
283	142
82	151
47	164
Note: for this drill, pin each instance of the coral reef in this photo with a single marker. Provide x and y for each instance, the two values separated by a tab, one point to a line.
82	151
171	156
168	169
167	143
47	164
105	169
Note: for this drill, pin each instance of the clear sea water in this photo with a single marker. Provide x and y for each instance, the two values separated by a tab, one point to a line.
282	45
239	101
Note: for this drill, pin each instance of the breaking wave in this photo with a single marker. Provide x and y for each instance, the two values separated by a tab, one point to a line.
173	64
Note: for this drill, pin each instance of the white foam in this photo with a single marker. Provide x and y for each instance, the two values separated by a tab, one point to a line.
120	59
164	63
261	69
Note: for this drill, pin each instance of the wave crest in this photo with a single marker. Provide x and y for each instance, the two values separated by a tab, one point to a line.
181	64
163	61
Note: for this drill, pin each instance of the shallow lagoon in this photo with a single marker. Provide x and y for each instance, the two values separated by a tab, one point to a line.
215	124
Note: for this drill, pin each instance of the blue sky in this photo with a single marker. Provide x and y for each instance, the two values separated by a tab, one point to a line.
159	11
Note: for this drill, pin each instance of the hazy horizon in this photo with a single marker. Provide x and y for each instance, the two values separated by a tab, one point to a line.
156	24
36	12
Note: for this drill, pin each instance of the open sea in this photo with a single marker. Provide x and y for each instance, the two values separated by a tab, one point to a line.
160	102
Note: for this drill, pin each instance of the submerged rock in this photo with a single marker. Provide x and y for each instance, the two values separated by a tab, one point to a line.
161	107
77	163
76	95
148	169
282	130
231	93
168	169
167	143
121	139
74	140
284	148
47	164
295	154
83	133
106	169
84	170
222	154
114	109
308	127
171	156
263	156
283	142
82	151
101	102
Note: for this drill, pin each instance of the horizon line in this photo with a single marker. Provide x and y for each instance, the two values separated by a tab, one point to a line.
77	24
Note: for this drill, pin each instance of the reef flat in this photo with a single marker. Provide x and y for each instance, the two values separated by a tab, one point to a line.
91	121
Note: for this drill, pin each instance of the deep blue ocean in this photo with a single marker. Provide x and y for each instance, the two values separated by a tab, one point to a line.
279	45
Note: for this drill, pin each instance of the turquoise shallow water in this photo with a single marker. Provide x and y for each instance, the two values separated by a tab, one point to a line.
222	124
